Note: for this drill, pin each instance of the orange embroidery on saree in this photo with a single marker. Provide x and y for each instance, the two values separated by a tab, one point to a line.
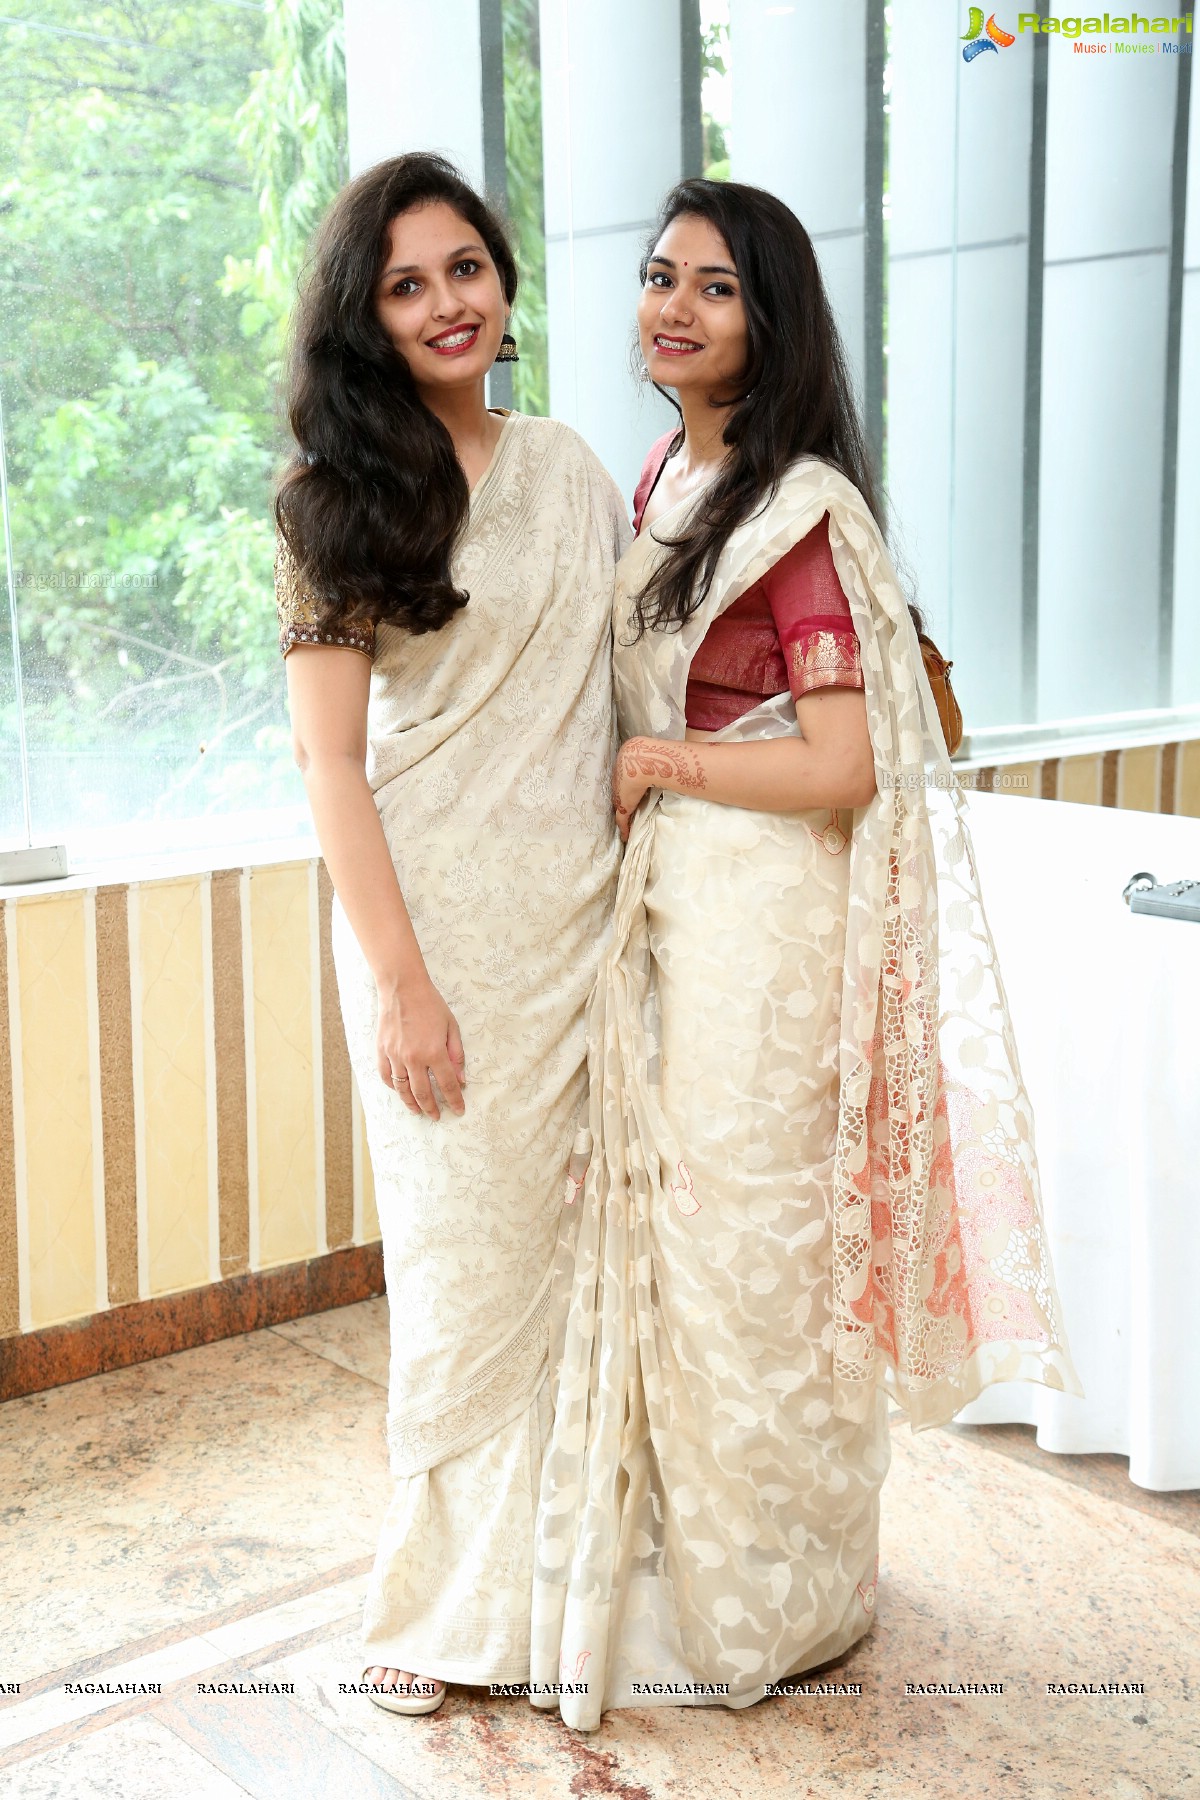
683	1193
972	1201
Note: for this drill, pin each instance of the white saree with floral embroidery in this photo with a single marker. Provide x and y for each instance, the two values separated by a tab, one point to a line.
812	1183
490	746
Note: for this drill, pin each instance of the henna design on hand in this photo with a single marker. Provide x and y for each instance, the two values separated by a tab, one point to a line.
661	762
651	762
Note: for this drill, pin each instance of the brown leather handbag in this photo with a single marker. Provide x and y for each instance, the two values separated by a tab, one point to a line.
949	711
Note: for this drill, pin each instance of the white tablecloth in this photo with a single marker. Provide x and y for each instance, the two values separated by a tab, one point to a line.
1106	1010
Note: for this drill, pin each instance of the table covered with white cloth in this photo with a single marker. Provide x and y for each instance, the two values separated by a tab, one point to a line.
1106	1010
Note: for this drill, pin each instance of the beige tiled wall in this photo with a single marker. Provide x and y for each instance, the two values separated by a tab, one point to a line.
172	1051
60	1247
173	1139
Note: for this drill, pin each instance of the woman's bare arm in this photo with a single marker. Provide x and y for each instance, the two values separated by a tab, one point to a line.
328	689
832	764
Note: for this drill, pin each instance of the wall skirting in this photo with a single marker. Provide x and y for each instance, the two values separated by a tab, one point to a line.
122	1335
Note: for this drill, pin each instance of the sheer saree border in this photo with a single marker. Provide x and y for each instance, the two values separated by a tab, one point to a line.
943	1280
494	1391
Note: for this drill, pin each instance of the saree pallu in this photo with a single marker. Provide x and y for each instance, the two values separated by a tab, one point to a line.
490	744
812	1183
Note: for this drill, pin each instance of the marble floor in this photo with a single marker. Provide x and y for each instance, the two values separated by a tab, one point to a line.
208	1519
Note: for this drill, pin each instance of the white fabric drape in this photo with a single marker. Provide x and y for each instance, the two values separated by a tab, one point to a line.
709	1498
490	747
1104	1004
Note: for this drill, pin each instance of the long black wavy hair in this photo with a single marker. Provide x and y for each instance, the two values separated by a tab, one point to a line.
373	499
796	395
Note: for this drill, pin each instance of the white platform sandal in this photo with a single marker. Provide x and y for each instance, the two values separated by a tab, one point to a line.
412	1699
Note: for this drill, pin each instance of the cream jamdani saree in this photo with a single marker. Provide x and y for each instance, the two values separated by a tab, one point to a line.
813	1183
490	748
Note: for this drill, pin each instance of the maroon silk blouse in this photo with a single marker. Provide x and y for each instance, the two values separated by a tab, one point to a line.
792	629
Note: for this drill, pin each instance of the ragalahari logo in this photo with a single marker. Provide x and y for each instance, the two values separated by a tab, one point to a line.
983	37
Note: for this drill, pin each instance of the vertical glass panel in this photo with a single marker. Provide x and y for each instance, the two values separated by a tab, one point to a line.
1185	635
613	138
13	829
1109	135
716	89
526	209
957	293
1041	366
164	166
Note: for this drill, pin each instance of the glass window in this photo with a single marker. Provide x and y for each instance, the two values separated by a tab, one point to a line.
522	104
163	167
14	822
1007	224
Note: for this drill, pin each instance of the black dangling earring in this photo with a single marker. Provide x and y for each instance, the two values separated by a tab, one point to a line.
507	353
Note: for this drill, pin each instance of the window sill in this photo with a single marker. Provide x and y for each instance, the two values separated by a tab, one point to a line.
995	745
208	859
989	748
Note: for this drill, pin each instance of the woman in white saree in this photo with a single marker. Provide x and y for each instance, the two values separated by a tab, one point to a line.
812	1182
444	583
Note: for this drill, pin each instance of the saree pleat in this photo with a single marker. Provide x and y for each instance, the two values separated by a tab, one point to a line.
812	1183
490	745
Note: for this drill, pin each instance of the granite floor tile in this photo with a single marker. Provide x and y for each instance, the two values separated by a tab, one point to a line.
355	1337
67	1705
1105	1476
138	1759
992	1572
876	1747
329	1607
471	1747
273	1750
156	1495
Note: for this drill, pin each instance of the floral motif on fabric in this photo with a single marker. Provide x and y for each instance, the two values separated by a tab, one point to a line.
432	1430
683	1193
824	1041
507	708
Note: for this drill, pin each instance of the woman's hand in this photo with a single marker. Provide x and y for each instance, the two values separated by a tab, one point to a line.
645	762
831	764
630	784
418	1039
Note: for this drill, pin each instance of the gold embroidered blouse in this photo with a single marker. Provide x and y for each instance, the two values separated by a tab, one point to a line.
825	659
297	612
